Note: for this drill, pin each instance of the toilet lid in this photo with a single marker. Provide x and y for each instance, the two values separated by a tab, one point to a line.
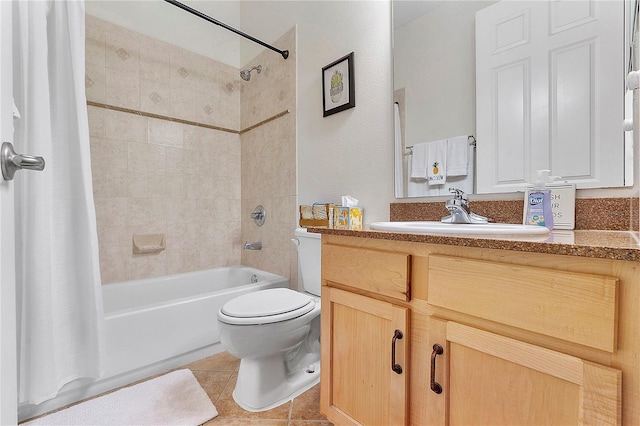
271	305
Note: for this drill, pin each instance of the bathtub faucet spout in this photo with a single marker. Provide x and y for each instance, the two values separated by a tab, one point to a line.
253	246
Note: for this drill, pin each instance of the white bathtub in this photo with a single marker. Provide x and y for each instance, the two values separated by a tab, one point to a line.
156	324
151	320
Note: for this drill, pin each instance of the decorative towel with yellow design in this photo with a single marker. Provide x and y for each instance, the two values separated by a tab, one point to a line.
437	155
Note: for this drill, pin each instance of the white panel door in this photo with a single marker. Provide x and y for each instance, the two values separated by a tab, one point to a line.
8	366
549	93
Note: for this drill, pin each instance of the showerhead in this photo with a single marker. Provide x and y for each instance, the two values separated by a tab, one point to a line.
246	74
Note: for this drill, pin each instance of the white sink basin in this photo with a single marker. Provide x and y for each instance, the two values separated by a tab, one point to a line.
425	227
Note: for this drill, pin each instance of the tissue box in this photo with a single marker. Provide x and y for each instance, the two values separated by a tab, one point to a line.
347	218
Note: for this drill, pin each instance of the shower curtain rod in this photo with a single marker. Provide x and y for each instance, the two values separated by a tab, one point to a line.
284	53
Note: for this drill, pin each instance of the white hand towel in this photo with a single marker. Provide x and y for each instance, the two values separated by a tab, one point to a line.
419	161
437	166
466	182
457	156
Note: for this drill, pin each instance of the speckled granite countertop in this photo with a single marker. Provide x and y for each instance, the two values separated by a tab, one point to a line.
618	245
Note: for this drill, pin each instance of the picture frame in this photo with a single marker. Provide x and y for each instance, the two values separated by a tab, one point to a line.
338	86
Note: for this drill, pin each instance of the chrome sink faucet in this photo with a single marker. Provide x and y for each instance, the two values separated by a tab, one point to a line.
458	206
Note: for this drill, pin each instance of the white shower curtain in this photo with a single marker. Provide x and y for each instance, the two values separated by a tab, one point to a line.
60	313
399	152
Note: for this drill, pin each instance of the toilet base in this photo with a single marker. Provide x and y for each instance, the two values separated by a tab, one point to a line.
265	383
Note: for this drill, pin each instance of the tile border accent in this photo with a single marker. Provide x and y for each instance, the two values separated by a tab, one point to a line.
188	122
278	115
158	116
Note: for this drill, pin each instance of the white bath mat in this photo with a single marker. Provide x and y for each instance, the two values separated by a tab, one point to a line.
173	399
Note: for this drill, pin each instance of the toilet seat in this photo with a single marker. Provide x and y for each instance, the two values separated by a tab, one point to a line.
266	307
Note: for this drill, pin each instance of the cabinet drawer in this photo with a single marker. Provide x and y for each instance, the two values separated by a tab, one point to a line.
576	307
381	272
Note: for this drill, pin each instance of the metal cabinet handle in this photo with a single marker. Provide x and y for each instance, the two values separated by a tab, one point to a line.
397	368
10	162
437	350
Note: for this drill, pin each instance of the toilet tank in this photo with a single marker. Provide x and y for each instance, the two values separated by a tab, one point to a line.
308	260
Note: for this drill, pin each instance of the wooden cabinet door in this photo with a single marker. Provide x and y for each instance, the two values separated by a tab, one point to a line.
488	379
358	384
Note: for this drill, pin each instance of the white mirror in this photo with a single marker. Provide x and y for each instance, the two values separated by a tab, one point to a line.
540	87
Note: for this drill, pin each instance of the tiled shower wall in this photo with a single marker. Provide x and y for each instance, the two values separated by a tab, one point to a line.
269	160
157	176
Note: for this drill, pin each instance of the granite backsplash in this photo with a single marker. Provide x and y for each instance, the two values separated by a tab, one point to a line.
612	214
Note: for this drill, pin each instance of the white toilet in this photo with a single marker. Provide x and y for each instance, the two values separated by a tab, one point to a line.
276	334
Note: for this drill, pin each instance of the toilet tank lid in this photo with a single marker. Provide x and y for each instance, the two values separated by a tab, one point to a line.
302	232
264	303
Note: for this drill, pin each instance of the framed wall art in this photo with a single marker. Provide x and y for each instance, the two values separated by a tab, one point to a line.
338	86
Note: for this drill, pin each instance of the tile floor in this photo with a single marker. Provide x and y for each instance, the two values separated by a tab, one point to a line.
217	376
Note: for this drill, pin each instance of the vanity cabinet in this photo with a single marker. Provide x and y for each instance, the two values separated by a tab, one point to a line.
525	338
488	379
493	379
368	385
364	340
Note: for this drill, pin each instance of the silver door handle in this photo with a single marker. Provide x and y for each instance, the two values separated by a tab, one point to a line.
11	162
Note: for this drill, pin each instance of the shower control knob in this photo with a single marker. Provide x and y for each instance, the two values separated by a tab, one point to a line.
11	162
259	215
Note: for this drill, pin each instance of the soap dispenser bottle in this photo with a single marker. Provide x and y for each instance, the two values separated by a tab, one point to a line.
538	202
